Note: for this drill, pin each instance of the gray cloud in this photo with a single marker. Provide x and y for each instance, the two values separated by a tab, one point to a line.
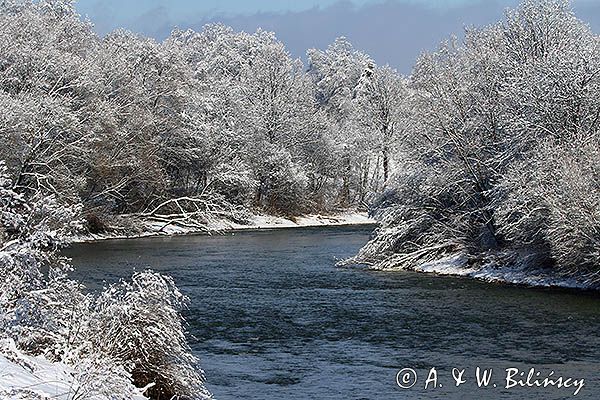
392	32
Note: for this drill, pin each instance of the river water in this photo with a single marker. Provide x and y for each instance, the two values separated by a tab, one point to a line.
273	318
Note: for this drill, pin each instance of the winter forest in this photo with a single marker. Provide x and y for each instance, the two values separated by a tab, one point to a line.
490	150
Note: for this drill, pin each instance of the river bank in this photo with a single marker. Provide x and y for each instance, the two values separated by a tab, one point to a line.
26	377
518	271
148	228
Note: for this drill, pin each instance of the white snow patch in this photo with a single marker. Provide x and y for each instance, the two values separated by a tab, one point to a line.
312	220
453	265
520	274
28	378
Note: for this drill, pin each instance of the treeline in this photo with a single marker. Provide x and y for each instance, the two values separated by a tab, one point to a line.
501	155
223	120
491	144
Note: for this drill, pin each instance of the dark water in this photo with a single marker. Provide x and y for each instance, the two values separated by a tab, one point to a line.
273	318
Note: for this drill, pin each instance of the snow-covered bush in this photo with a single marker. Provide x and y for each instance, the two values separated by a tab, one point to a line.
574	204
38	303
132	332
138	324
422	219
551	204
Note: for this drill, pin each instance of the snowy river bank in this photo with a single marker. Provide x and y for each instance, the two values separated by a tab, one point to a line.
518	273
255	222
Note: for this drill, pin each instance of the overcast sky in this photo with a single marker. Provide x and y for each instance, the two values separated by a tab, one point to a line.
393	32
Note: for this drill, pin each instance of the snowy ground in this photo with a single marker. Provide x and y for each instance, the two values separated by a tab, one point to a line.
260	221
35	378
519	274
271	222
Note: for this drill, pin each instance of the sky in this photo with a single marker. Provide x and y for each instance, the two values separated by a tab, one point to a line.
392	32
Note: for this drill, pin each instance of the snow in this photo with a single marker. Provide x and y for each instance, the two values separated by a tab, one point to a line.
312	220
25	377
257	221
520	274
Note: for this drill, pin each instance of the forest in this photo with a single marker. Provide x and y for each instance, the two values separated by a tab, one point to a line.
221	121
490	149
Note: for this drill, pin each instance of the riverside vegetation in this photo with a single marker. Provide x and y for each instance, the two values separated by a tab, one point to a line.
500	156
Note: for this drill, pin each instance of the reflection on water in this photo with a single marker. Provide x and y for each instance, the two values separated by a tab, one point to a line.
272	318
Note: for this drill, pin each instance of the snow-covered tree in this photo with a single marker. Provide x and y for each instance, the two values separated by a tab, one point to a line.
499	152
337	73
382	103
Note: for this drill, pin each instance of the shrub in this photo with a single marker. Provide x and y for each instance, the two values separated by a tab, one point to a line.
139	325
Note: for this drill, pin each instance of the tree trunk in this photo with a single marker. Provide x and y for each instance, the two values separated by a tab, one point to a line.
386	167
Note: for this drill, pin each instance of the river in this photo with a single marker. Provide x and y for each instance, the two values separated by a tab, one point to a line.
273	318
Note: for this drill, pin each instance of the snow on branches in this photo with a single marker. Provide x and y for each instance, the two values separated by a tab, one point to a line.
501	154
130	333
